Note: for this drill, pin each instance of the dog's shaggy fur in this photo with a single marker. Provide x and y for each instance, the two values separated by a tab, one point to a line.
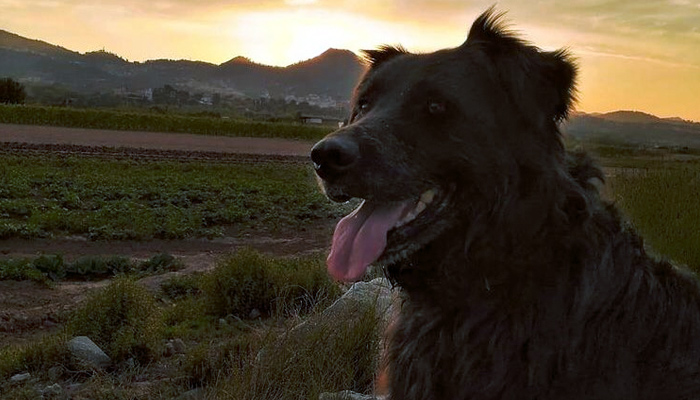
520	282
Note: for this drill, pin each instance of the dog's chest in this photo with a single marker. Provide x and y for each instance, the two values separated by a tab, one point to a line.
461	354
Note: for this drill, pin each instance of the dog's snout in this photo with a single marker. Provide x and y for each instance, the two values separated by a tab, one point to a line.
334	156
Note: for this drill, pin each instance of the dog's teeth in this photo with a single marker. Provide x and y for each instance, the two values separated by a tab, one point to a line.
420	207
428	196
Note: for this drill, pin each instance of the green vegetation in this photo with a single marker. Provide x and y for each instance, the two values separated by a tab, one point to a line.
661	201
251	281
123	319
154	122
132	200
231	351
48	268
239	358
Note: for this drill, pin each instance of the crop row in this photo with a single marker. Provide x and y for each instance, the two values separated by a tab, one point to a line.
45	196
134	121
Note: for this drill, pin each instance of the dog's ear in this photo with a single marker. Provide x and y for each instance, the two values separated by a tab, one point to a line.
558	72
382	54
541	82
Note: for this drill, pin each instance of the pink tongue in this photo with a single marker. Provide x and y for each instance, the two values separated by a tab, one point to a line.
360	238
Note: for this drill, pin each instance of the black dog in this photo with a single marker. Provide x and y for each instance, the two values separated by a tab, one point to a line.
520	282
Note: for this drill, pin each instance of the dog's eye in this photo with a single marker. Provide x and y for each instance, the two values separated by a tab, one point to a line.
362	105
436	107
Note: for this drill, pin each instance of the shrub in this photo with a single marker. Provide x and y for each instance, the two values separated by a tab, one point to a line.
98	267
181	286
249	280
160	263
20	270
51	265
123	319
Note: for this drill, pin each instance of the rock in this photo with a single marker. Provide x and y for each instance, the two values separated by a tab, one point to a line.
130	363
347	395
254	314
179	346
350	309
87	352
20	377
376	292
174	346
54	391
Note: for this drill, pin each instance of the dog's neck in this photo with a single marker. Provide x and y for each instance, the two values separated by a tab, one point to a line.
497	257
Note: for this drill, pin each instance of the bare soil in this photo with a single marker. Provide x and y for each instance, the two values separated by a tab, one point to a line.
28	309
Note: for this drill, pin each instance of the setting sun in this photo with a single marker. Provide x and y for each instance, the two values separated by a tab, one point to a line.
630	57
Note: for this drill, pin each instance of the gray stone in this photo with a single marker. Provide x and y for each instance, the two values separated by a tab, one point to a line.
179	346
20	377
54	391
349	308
376	292
87	352
174	346
347	395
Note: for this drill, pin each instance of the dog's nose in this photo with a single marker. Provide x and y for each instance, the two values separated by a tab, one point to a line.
333	156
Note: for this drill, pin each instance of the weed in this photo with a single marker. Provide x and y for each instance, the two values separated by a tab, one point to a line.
53	267
38	355
123	319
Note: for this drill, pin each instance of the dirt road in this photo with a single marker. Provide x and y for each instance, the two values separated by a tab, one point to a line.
48	135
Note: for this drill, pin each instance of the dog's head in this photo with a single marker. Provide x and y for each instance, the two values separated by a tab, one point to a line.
436	138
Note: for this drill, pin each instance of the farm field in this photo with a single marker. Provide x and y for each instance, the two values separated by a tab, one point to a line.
154	122
86	230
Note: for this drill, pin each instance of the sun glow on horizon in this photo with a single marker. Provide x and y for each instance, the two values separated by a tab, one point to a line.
630	57
281	38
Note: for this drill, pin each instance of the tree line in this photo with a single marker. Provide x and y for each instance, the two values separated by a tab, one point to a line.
11	92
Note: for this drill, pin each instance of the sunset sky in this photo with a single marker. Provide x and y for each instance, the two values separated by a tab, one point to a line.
633	54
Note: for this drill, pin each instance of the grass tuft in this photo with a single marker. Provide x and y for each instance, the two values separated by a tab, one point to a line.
123	319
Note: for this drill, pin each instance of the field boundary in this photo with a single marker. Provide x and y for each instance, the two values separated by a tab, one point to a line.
130	153
34	134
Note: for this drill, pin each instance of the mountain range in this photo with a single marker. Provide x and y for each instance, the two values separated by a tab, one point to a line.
332	75
633	128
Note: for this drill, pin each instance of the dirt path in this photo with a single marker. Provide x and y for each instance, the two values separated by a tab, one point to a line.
152	140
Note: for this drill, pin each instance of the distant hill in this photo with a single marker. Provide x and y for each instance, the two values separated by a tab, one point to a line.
634	128
332	74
